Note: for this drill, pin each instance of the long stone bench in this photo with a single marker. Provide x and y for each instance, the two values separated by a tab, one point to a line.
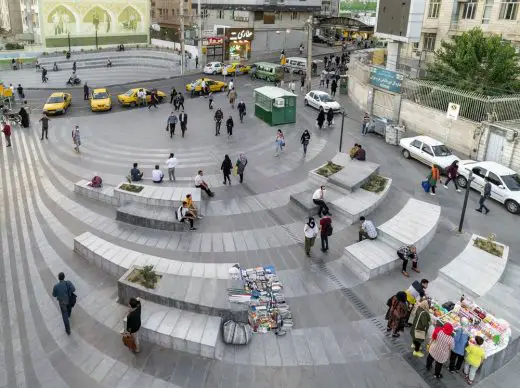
474	272
154	217
185	331
158	195
103	194
415	225
116	260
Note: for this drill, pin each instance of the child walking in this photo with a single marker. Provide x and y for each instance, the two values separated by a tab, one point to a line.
475	356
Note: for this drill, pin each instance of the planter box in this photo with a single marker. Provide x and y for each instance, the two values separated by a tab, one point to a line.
103	194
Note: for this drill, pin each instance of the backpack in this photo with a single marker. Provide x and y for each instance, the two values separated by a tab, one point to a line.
177	213
329	230
96	182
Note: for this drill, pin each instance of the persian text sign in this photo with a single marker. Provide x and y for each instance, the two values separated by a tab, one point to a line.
386	79
241	34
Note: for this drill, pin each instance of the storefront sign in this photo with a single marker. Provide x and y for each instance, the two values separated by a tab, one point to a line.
241	34
212	41
386	79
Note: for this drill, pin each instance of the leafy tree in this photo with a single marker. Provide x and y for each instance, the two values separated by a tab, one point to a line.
477	62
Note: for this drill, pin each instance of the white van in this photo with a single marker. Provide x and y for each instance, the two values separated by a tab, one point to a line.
296	65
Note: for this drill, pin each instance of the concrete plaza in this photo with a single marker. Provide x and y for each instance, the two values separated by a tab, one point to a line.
338	339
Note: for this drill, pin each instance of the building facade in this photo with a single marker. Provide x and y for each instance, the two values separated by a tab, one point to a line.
444	19
21	18
166	14
268	25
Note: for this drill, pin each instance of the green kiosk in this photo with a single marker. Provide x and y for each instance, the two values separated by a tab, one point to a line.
275	106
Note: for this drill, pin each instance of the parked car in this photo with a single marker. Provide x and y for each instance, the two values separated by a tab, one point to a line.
237	68
505	183
57	103
100	100
130	97
213	68
427	150
319	99
195	87
323	40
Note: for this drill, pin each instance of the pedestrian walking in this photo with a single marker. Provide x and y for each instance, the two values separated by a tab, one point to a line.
231	86
301	48
74	66
76	138
486	193
406	253
172	122
24	115
85	92
6	129
197	61
183	120
452	171
232	97
330	117
322	78
302	81
292	86
333	87
304	139
218	120
420	326
433	177
64	292
325	232
325	61
327	80
241	166
21	94
45	127
44	75
440	348
475	356
226	167
173	94
141	97
460	340
321	118
229	125
279	142
181	101
396	313
133	323
310	231
241	110
365	123
153	99
171	163
211	100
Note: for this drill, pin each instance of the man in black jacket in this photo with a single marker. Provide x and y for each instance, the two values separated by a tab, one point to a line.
63	291
133	321
218	120
486	193
183	120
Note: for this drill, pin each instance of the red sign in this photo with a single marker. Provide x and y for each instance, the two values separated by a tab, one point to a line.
213	41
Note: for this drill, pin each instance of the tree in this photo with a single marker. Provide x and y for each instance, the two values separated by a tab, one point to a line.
477	62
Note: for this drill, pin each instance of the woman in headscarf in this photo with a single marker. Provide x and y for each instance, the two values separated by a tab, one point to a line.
311	231
24	114
440	348
241	165
321	118
226	167
420	326
397	312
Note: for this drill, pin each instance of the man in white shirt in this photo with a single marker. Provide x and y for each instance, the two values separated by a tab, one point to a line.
171	163
183	214
319	199
199	182
203	86
141	97
367	229
157	175
231	85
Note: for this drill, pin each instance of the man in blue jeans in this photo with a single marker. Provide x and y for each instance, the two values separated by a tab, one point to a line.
63	292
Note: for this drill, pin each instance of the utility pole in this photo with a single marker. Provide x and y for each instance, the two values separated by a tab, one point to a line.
465	204
309	54
181	4
199	22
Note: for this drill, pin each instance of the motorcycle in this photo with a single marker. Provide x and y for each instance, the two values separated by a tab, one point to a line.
73	81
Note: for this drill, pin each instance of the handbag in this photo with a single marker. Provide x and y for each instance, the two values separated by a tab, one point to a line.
72	296
128	341
329	230
419	334
235	171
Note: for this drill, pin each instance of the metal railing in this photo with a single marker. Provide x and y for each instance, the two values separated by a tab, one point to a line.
473	106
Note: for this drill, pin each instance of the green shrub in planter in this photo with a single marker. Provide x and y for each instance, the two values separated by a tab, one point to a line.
489	245
328	169
375	184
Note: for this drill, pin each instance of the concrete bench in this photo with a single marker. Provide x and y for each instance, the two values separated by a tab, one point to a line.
415	224
303	201
103	194
154	217
199	295
116	260
158	195
180	330
474	272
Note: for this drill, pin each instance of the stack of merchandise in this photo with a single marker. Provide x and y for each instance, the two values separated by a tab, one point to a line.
495	332
264	292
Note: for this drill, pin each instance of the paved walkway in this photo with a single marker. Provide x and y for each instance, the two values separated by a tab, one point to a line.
338	338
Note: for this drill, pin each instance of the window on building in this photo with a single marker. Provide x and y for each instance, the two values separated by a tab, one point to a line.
204	13
486	15
469	9
166	12
268	17
259	15
434	8
415	46
278	16
429	42
220	14
173	11
508	9
160	11
294	15
152	13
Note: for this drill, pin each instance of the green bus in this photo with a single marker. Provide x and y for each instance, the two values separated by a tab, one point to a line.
268	71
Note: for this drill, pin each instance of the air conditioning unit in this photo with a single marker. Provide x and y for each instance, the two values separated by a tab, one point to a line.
279	102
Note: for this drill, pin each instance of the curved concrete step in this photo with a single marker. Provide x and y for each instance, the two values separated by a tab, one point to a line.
153	217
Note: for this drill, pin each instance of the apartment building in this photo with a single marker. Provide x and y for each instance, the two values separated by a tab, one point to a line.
167	14
444	19
21	18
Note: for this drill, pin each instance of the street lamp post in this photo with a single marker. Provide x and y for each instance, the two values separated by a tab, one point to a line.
68	38
199	22
308	80
343	114
181	16
465	204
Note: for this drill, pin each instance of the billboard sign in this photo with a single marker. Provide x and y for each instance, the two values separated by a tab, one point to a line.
386	79
356	6
235	34
400	20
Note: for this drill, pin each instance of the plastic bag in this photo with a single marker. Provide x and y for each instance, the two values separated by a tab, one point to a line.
235	171
426	186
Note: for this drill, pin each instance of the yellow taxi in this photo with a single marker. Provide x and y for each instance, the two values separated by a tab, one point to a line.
214	86
57	103
236	68
100	100
130	97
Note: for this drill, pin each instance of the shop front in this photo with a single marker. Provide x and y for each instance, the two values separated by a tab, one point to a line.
239	43
213	48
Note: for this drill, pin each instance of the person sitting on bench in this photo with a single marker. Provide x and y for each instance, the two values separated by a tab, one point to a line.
318	199
157	175
136	174
199	183
191	206
367	229
183	214
360	153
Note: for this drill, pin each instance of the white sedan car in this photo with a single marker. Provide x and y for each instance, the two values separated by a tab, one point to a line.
319	99
213	68
505	183
427	150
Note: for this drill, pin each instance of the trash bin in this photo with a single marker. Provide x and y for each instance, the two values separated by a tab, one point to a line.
394	133
379	124
343	85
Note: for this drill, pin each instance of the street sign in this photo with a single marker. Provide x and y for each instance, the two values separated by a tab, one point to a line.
453	111
386	79
207	33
